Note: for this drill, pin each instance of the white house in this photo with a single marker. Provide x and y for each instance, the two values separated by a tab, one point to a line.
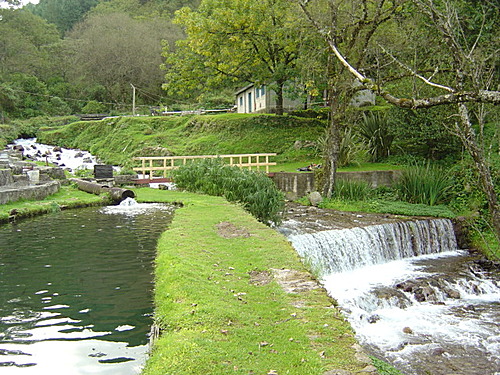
260	99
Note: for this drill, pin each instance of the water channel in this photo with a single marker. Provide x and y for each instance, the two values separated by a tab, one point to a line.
76	290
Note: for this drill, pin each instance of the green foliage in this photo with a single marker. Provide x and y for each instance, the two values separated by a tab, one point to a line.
389	207
63	13
117	140
319	113
424	184
94	106
423	133
374	129
384	368
255	191
232	43
352	190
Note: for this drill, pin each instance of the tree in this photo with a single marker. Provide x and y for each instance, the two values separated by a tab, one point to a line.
63	13
353	25
24	39
236	41
116	50
466	69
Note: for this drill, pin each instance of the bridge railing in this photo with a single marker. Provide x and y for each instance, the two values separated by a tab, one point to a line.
159	166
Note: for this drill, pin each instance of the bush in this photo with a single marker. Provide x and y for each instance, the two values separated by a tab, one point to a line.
255	191
352	190
424	184
374	129
93	107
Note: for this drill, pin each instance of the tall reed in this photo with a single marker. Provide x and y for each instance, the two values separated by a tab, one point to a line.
424	184
352	190
255	191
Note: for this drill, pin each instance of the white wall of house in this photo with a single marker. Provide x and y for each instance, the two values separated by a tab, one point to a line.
260	99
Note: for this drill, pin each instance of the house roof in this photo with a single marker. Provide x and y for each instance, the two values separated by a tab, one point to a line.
238	92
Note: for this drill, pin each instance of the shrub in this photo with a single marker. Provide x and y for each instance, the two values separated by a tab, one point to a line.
352	190
255	191
94	106
374	130
424	184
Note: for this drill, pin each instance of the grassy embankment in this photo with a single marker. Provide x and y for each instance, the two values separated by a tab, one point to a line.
67	197
221	311
118	140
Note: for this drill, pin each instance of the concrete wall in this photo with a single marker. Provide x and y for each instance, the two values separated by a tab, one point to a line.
6	177
35	192
374	178
298	184
294	185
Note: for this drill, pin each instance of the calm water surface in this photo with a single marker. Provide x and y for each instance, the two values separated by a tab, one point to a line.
76	291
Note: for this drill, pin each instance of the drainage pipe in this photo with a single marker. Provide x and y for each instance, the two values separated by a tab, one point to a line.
116	194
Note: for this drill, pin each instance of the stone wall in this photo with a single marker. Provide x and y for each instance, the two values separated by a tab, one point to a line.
6	177
298	184
33	192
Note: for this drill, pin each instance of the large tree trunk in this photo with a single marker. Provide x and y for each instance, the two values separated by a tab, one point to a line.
332	153
469	140
279	98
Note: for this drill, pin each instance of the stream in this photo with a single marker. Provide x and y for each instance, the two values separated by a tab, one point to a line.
413	298
76	290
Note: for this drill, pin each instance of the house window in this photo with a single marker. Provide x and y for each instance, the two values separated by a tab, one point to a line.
257	92
241	101
263	90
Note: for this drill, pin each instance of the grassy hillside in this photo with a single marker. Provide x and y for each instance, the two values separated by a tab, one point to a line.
117	140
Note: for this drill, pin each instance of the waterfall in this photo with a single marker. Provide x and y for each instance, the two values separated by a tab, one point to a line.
412	297
347	249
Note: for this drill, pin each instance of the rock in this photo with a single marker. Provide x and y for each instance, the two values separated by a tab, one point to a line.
373	318
297	145
57	149
408	330
438	351
315	198
79	155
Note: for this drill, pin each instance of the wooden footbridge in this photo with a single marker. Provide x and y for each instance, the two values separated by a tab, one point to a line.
157	168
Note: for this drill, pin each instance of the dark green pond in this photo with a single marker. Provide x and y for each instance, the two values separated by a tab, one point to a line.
76	291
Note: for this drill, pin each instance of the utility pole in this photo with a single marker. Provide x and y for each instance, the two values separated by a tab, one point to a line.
133	99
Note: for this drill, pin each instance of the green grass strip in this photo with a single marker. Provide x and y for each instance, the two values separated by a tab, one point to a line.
220	311
66	197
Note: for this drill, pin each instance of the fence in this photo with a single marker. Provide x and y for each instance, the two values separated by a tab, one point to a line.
154	165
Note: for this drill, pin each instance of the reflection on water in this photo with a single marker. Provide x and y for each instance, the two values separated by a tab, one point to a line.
76	291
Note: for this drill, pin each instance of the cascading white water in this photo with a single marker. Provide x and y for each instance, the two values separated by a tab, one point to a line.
348	249
410	294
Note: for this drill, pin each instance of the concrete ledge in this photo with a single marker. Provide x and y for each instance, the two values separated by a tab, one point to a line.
294	185
374	178
298	184
33	192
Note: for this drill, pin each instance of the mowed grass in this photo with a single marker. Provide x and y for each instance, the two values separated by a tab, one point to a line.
67	197
218	307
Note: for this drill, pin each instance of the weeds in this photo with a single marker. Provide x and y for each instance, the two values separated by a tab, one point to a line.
352	190
424	184
255	191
